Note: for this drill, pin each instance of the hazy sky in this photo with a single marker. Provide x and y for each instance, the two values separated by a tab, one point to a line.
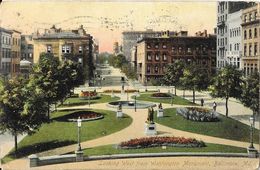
106	20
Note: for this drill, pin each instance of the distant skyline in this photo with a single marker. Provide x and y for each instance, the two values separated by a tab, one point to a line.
106	20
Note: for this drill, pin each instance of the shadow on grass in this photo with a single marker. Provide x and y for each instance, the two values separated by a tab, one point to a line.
36	148
76	114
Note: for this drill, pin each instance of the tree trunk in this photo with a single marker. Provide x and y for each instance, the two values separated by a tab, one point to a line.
48	111
226	106
193	95
15	144
175	91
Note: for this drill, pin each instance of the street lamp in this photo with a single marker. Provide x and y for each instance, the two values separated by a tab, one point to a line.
172	98
79	126
252	122
88	98
135	100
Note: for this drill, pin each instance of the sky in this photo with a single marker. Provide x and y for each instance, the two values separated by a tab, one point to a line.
106	20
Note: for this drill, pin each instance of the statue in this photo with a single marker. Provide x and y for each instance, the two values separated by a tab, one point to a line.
160	106
150	115
119	107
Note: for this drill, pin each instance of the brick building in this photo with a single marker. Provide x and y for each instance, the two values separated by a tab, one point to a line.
75	45
251	39
154	54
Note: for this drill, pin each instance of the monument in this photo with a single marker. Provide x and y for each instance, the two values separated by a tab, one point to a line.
160	110
119	112
150	127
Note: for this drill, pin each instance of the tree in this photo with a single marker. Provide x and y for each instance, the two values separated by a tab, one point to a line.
21	108
250	92
195	78
45	79
173	74
129	71
117	61
227	84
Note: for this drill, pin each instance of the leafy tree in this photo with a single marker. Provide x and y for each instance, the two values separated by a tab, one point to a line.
21	108
45	79
227	84
117	61
129	71
173	74
195	78
250	92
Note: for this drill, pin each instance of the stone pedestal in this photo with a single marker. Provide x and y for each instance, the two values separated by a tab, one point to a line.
160	113
79	156
34	160
252	152
150	129
112	95
119	113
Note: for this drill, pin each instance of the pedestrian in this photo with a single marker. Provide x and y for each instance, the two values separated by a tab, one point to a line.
214	106
202	102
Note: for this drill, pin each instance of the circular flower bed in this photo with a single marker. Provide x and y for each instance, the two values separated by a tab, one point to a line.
88	95
84	115
161	95
161	141
198	114
119	91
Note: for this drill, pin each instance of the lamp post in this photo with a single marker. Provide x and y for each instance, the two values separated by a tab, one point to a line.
88	98
135	100
172	97
79	126
252	122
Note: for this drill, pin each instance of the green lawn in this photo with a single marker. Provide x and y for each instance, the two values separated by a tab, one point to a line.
176	99
226	128
76	101
57	133
111	149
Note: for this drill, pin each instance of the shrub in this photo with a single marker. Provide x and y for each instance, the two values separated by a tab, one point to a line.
161	95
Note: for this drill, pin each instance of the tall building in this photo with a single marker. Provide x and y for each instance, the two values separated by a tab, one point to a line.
75	45
130	39
226	8
5	52
154	54
16	53
251	39
27	47
234	49
115	48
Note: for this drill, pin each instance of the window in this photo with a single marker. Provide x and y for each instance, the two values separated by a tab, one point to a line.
180	49
156	70
148	69
255	14
157	57
148	46
66	49
164	46
173	50
245	18
255	33
63	49
250	33
80	49
49	48
245	50
164	57
255	49
250	17
189	50
245	34
156	45
230	47
250	49
149	56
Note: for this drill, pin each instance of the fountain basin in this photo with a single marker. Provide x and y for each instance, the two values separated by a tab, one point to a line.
131	104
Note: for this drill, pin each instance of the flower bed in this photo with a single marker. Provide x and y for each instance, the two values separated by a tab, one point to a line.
161	95
119	91
161	141
84	115
198	114
88	94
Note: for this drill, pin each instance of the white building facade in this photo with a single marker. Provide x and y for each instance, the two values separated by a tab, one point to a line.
234	49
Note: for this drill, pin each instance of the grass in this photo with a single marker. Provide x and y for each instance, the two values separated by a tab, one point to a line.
60	133
76	101
225	128
111	149
176	99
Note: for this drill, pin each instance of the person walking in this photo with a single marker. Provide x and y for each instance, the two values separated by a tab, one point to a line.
202	101
214	106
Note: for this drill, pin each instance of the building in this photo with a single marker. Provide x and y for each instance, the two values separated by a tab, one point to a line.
16	53
154	54
225	8
5	52
234	50
26	54
251	39
74	45
130	39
